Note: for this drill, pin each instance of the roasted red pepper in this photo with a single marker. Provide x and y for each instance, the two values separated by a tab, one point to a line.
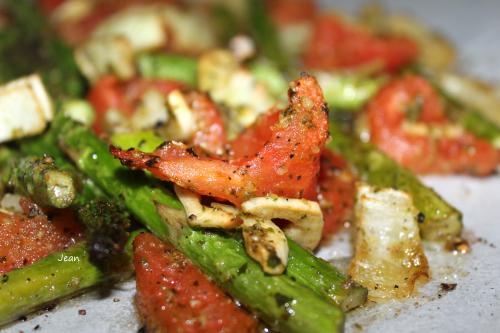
175	296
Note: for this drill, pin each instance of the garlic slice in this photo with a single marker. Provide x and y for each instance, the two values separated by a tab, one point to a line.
265	243
305	216
182	125
216	216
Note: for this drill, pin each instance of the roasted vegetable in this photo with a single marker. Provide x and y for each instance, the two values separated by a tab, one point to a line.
168	67
136	104
389	258
59	275
474	94
336	191
233	86
26	108
140	199
47	144
440	221
174	295
231	267
42	181
29	236
272	297
106	233
347	91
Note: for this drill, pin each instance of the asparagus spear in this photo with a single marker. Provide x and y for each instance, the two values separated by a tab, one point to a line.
221	256
59	275
48	144
347	91
106	224
41	180
439	220
168	67
62	274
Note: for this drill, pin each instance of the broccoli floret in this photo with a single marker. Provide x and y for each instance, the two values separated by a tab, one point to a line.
106	230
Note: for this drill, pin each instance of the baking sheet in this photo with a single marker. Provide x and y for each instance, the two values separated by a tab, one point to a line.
475	304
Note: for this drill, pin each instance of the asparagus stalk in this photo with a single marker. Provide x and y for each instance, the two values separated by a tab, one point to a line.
59	275
47	144
106	230
308	270
347	91
264	33
442	221
476	123
219	255
282	303
41	180
169	67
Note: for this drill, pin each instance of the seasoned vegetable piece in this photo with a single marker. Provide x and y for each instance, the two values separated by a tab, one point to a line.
439	220
337	44
408	122
28	238
286	166
168	67
42	181
221	257
216	215
175	296
337	191
196	120
389	257
62	274
306	220
106	233
273	297
115	102
25	108
266	243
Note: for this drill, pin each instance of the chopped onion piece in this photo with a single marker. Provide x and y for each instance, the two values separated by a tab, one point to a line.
25	108
389	257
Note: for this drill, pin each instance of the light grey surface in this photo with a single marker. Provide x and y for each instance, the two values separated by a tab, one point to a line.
474	306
